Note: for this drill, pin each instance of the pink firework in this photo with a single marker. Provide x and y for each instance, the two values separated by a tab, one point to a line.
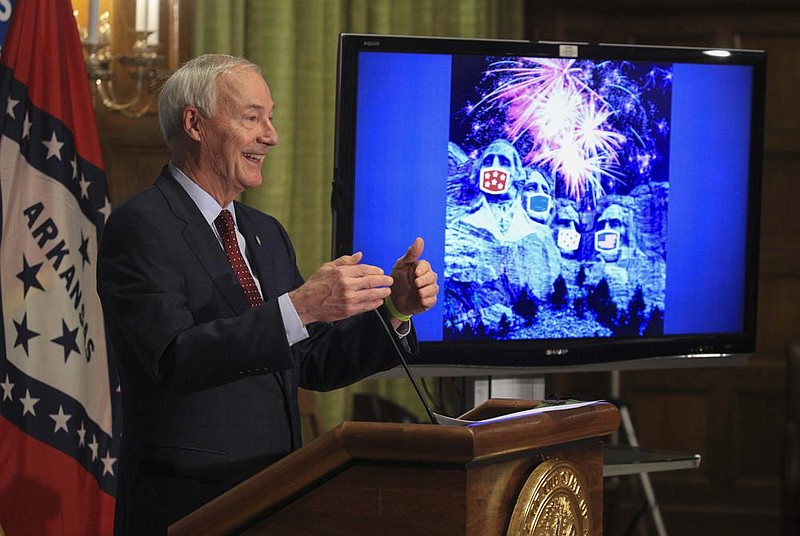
549	100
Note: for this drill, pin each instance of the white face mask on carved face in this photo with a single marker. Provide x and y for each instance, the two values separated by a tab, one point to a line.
568	239
607	242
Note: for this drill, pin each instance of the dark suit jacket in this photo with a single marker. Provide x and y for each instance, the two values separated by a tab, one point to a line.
209	385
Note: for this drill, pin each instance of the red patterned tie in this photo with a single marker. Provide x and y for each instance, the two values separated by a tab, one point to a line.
225	226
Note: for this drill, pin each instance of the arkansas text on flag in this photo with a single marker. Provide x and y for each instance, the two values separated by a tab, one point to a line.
58	448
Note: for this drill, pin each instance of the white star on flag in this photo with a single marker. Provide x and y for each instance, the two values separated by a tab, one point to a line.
26	126
53	147
28	403
84	186
108	464
7	387
106	210
12	103
60	419
82	435
94	446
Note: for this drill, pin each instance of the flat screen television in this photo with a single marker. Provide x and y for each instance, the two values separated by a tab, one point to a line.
582	204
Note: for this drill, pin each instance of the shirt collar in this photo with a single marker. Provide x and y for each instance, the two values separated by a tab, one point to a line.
208	205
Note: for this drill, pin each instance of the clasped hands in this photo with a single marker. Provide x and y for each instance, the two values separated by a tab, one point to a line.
345	287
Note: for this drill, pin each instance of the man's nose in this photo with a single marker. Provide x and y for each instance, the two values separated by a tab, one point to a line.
269	135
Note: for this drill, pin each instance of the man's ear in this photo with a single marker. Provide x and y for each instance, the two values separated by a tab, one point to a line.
191	122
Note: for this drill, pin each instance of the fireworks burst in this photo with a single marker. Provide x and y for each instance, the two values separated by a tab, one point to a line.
576	116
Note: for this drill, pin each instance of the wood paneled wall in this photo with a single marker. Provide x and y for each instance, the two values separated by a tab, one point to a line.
734	417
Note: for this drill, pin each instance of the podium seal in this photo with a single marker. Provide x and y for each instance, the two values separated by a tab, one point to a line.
553	502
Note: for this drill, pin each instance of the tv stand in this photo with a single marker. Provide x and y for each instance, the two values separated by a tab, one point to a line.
517	387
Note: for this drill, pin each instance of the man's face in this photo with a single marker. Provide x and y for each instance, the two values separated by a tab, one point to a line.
236	140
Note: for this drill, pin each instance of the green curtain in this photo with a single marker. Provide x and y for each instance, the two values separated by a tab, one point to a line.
295	41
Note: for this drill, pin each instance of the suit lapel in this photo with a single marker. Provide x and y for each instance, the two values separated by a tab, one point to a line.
201	240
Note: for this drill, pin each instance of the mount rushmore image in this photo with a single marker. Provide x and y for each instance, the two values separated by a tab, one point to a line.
557	199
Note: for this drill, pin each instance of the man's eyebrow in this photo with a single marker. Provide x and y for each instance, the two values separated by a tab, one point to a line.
260	107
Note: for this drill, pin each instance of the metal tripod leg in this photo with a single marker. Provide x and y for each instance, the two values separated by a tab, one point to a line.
630	434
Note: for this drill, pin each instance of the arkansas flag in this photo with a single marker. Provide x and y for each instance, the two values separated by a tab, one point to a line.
58	446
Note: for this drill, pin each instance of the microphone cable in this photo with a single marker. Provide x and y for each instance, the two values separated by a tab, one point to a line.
392	336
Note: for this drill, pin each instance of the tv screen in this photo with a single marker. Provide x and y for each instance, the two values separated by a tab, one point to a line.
581	204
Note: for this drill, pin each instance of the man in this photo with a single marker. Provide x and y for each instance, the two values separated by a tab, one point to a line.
213	341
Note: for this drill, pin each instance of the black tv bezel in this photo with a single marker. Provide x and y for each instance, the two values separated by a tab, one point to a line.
581	352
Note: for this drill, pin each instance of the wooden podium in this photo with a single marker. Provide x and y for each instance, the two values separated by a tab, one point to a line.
517	476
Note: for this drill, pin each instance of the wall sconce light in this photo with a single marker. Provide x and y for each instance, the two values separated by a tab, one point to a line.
144	64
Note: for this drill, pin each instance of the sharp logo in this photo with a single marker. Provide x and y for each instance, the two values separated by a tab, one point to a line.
556	351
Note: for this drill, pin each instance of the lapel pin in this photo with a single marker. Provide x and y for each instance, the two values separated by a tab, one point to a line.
258	241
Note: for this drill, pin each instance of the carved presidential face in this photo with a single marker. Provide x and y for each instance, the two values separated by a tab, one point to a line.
611	236
537	197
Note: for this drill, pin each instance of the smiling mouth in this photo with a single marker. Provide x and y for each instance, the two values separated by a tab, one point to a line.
253	157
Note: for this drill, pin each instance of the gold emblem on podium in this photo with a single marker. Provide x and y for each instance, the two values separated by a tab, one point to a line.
553	502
